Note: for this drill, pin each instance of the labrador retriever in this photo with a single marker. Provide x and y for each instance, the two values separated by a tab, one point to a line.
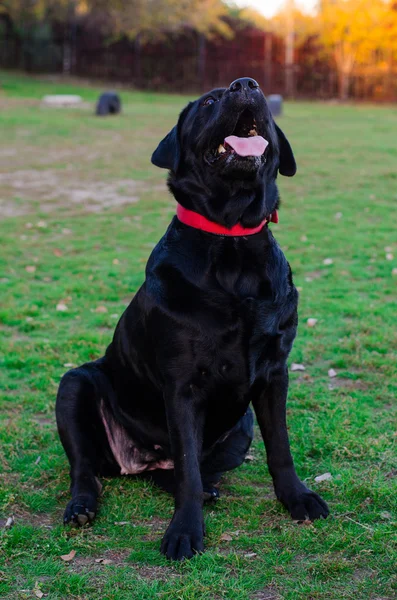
207	335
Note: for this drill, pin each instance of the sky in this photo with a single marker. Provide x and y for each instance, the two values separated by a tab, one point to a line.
270	7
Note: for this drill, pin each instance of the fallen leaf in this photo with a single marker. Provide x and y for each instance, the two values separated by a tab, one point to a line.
299	288
41	224
332	373
312	322
114	316
38	459
10	522
297	367
66	231
306	522
68	365
30	269
249	457
386	515
122	523
69	557
391	474
116	261
323	477
328	261
387	248
62	307
303	238
250	555
394	272
225	537
28	225
57	252
389	256
101	309
37	591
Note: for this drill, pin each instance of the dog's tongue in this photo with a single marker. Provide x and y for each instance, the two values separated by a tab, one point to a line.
250	146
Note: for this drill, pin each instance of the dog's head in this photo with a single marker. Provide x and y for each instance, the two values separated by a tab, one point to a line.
224	155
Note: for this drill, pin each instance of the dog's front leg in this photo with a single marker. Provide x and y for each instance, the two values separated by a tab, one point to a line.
185	534
270	408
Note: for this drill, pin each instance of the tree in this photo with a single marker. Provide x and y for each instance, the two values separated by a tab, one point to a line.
354	31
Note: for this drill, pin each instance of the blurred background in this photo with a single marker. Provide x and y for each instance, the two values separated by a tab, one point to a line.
324	49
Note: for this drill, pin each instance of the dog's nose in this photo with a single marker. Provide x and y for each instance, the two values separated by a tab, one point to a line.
244	84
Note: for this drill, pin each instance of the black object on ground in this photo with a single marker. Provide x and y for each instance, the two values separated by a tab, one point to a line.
109	103
275	102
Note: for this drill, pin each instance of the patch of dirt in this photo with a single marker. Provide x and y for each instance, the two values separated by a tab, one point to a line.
155	573
268	593
349	384
54	188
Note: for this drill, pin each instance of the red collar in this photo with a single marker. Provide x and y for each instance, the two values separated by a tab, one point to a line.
189	217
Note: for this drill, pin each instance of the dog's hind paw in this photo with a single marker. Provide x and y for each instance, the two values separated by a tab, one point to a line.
80	511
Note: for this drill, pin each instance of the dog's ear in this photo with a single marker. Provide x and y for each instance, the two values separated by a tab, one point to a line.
168	153
287	160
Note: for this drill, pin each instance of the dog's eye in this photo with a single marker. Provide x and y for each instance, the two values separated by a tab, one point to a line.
209	101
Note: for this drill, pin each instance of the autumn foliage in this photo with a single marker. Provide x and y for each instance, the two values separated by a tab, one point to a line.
352	44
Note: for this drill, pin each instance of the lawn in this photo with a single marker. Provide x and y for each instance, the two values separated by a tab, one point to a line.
81	209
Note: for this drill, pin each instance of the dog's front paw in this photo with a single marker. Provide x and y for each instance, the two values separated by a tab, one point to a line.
184	538
306	505
80	510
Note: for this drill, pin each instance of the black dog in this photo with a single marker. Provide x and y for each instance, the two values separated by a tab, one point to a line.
208	333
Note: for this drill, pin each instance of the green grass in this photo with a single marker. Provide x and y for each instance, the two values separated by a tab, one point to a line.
67	180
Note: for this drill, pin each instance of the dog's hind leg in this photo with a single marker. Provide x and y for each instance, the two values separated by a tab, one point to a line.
227	455
83	438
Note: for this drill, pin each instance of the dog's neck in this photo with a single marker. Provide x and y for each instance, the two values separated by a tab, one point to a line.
229	206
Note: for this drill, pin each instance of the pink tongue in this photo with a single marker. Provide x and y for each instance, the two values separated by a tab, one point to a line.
251	146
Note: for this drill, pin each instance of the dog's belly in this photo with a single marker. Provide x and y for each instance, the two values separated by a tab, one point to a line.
131	459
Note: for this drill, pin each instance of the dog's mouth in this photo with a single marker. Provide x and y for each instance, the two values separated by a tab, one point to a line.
244	142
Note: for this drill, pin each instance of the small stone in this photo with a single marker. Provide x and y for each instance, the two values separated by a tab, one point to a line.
114	316
66	231
338	215
116	261
328	261
62	307
41	224
323	477
385	515
389	256
394	272
250	555
297	367
332	373
30	269
249	458
312	322
68	365
304	238
101	309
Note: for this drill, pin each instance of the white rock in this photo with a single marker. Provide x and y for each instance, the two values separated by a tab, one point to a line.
389	256
332	373
62	307
328	261
60	100
323	477
312	322
297	367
